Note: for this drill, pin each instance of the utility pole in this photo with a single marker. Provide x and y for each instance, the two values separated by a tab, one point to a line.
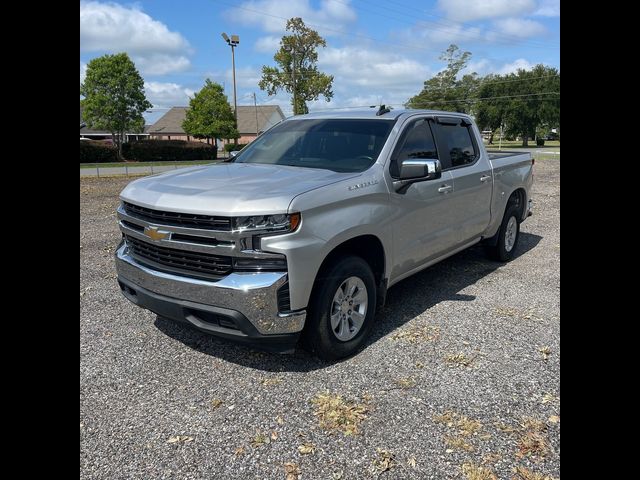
255	105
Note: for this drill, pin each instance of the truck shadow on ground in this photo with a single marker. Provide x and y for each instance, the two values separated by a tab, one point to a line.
405	301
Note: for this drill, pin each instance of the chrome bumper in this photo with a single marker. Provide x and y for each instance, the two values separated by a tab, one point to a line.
254	295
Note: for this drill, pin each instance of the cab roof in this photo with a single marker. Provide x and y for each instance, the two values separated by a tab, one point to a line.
370	113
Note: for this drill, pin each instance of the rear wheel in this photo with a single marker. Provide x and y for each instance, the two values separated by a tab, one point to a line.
508	236
342	309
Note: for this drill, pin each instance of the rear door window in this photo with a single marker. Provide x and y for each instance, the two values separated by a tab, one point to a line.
457	143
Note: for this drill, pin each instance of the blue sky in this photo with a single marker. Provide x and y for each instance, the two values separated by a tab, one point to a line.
379	51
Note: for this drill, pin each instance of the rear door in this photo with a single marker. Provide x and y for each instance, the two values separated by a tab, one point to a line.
461	157
423	226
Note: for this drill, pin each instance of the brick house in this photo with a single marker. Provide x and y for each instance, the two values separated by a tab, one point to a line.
251	120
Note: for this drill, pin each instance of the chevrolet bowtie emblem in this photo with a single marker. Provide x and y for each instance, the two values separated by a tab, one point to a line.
154	234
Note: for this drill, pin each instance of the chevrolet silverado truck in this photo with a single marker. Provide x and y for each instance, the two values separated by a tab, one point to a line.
301	235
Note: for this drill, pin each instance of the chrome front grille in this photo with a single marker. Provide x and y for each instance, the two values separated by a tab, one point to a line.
204	252
180	261
187	220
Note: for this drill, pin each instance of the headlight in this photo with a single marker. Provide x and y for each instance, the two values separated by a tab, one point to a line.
272	223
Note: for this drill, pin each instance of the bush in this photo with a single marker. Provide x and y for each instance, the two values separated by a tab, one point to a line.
92	151
230	147
168	150
540	142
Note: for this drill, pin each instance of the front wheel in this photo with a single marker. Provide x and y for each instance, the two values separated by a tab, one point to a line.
508	236
342	309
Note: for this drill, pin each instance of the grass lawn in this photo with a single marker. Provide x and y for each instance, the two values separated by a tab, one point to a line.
518	144
147	164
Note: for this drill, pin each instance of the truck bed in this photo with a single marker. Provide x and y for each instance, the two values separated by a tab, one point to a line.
503	154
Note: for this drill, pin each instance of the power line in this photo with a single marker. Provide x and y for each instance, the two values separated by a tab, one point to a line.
489	82
483	99
440	102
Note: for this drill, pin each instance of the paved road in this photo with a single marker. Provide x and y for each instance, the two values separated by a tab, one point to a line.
129	170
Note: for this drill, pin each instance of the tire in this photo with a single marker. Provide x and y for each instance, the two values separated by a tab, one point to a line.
320	336
507	243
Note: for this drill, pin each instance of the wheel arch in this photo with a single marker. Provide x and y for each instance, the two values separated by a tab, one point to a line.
368	247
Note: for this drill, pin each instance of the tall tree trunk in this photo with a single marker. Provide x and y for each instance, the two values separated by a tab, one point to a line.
119	144
525	141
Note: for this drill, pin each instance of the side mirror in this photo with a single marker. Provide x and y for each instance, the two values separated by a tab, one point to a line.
414	170
420	169
233	153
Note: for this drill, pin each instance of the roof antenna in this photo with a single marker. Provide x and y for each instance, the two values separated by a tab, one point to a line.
382	110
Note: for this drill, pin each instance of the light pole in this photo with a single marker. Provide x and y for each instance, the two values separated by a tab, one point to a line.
233	42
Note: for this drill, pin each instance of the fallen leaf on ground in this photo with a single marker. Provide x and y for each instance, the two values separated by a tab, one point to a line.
545	351
292	471
307	448
475	472
180	439
384	462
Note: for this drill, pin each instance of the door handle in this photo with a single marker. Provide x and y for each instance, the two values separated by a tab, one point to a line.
484	178
445	188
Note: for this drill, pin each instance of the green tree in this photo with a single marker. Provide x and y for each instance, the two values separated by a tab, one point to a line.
445	91
297	71
209	114
523	102
114	98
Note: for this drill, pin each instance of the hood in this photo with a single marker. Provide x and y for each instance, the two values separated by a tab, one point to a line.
229	188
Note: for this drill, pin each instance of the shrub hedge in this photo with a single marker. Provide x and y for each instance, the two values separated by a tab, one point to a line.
230	147
97	152
168	150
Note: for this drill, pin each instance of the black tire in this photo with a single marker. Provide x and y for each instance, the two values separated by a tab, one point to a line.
318	335
499	251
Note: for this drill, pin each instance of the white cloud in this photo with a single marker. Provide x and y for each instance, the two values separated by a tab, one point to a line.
518	27
548	8
442	34
165	94
514	66
481	67
465	10
161	64
273	15
83	71
365	68
269	44
110	27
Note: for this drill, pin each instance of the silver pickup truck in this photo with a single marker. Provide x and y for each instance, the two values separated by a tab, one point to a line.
303	233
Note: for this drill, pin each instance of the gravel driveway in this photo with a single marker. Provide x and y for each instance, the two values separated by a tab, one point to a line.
460	380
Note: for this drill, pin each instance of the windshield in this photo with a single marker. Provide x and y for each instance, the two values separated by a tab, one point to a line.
340	145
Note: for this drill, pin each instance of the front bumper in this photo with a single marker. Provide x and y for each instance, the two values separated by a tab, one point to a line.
241	305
